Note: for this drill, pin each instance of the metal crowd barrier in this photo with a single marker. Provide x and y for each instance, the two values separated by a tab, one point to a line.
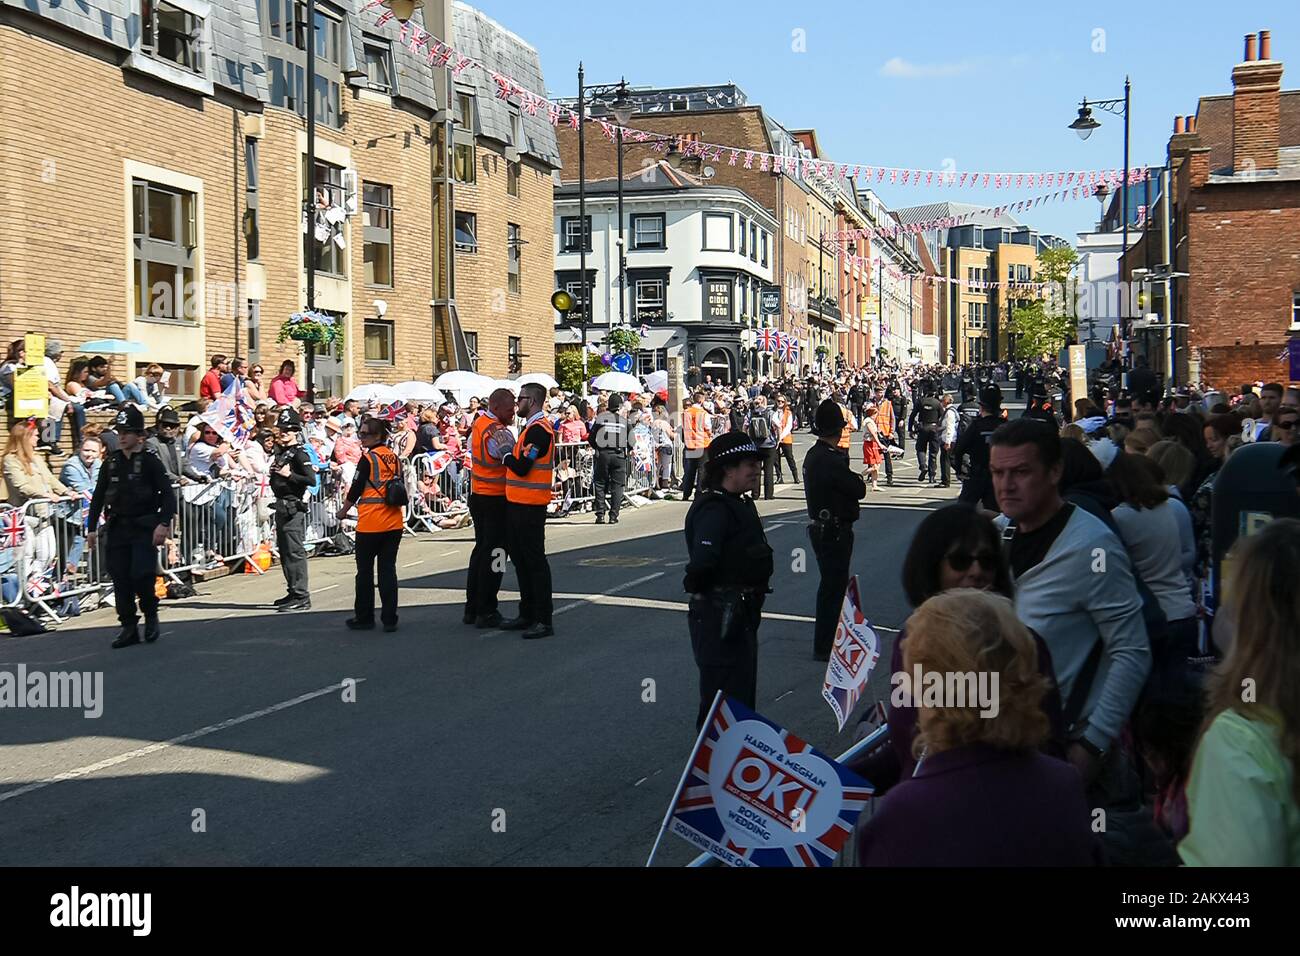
435	489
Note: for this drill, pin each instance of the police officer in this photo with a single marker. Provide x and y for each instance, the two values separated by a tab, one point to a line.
832	491
137	493
490	439
977	487
291	475
728	572
609	437
926	418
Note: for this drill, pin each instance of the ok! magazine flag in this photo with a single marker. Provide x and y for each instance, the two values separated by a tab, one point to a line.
853	658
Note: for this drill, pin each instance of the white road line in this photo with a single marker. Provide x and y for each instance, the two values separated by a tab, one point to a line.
328	587
595	598
785	695
413	563
676	564
453	551
641	781
163	745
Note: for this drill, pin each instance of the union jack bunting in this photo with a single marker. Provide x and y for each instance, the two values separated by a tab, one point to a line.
13	530
754	794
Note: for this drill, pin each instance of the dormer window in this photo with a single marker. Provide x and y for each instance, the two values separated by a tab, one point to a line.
169	33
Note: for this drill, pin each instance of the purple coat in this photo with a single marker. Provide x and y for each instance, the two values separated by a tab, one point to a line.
981	806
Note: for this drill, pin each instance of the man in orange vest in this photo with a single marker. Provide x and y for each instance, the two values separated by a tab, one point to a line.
885	424
490	440
850	426
530	474
380	525
696	434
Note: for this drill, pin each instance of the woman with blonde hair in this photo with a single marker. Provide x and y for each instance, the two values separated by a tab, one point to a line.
26	474
982	793
1243	797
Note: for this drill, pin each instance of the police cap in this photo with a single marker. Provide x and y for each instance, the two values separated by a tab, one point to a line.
129	419
289	420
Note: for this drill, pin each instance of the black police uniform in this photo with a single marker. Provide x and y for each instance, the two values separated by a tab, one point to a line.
977	487
832	489
727	576
609	471
291	514
926	419
137	495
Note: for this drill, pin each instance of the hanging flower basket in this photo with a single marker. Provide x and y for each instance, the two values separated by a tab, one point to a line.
314	327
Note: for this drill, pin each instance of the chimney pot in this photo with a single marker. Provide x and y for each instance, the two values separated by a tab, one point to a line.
1191	124
1178	124
1265	45
1250	48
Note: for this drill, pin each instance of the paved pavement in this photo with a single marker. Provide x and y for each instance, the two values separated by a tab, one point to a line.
238	739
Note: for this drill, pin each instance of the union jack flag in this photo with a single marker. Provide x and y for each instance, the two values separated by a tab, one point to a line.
13	531
767	340
788	348
231	415
391	413
756	795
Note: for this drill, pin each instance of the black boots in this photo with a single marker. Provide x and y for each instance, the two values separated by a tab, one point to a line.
129	635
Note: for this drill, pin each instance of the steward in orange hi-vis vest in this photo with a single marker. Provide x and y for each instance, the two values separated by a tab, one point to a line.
373	514
533	488
486	476
530	473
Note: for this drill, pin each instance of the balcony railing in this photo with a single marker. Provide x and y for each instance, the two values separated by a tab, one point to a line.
826	308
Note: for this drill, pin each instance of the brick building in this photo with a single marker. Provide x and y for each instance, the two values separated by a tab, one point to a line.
1235	169
156	181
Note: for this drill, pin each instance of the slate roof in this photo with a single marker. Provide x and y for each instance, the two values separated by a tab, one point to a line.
945	210
481	37
414	79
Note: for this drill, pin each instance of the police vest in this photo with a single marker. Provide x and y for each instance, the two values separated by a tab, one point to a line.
693	430
533	488
486	476
129	493
372	512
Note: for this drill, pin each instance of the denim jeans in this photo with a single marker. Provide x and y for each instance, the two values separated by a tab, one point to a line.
125	393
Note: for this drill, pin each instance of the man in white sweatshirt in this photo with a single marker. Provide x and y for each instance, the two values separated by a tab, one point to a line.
1075	588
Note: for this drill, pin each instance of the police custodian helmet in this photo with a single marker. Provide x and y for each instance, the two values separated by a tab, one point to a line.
129	419
289	420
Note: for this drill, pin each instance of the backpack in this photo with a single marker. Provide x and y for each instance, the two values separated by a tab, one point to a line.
394	490
760	428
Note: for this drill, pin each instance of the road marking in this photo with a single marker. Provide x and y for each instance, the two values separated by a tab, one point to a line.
328	587
453	551
655	605
641	781
413	563
676	564
592	598
173	742
785	695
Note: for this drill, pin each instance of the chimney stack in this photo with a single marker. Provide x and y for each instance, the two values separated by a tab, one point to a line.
1256	107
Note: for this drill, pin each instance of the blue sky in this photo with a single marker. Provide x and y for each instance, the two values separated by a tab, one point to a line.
990	86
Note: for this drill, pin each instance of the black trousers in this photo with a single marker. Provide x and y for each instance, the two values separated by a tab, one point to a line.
727	662
609	477
692	475
378	546
834	551
133	566
978	490
290	535
526	541
927	453
889	459
769	472
945	463
786	450
487	560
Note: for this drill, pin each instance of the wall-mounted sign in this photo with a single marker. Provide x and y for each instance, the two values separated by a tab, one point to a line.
719	299
771	301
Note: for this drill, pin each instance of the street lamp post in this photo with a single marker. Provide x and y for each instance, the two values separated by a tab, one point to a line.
1084	125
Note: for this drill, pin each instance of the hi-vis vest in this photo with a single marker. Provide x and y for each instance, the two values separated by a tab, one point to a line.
372	513
694	432
486	476
533	488
786	420
846	436
885	418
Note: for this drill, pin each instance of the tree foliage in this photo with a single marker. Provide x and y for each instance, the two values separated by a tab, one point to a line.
568	369
1042	325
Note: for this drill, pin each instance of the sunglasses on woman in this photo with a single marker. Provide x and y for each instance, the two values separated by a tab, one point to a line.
959	561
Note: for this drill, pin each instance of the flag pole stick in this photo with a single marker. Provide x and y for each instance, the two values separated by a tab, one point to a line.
690	762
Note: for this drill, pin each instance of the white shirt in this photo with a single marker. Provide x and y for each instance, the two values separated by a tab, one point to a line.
1152	538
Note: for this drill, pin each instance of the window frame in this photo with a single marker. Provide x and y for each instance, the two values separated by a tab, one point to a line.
514	258
472	220
372	235
514	354
636	219
373	44
288	52
731	231
332	183
193	42
181	254
565	245
471	345
389	328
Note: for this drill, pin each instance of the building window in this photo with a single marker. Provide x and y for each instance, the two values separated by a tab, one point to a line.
287	85
379	342
512	179
286	47
182	381
466	232
648	231
1024	273
463	153
648	300
330	257
463	162
170	33
466	117
765	235
165	241
569	232
717	232
514	355
377	230
252	237
753	244
741	237
516	130
379	65
471	345
514	256
254	345
651	360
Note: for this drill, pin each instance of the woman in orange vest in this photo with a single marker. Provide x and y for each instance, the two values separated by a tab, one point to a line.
380	526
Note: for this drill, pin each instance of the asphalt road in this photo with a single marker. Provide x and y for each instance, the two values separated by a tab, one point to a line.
232	740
